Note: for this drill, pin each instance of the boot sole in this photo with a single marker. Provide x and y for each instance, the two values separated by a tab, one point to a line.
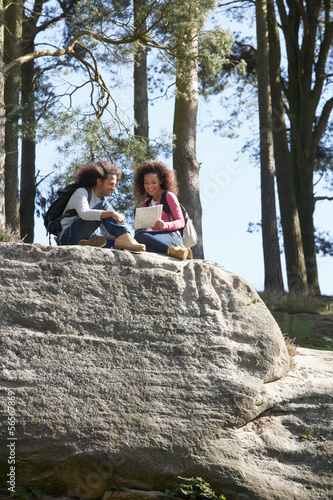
95	241
130	249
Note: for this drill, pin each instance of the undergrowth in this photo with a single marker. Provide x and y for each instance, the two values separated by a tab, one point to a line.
292	349
9	235
26	494
294	303
302	329
193	488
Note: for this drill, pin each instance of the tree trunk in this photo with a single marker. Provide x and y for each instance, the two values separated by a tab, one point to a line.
184	130
306	209
302	133
293	245
28	176
272	261
308	41
13	33
141	124
2	122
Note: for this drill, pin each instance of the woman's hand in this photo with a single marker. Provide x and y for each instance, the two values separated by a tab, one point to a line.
160	224
114	215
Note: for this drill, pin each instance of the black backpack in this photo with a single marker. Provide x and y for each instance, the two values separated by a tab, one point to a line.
53	216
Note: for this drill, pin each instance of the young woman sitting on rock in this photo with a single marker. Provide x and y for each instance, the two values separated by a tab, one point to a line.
151	180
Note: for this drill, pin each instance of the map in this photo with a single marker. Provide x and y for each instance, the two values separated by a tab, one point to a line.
145	217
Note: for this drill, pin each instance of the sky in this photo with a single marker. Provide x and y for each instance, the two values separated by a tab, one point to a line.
229	190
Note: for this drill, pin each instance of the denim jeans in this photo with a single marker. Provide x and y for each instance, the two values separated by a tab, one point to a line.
159	241
84	229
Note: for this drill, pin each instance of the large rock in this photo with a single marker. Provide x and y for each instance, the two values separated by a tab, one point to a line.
137	368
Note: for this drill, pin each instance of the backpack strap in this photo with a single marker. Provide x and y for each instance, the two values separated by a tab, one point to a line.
89	189
164	202
72	212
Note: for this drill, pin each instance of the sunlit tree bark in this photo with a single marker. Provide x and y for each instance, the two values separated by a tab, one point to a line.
308	34
141	122
185	128
12	42
293	245
272	261
2	121
28	161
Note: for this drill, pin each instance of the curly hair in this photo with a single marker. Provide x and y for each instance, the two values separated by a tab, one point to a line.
167	176
87	175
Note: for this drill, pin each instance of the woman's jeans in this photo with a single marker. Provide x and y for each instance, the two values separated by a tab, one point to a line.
159	241
84	229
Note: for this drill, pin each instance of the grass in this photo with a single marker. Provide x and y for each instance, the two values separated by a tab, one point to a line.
305	332
293	303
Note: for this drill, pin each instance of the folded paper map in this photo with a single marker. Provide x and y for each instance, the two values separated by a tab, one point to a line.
146	217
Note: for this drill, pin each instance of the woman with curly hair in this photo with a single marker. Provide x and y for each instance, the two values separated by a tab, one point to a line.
151	180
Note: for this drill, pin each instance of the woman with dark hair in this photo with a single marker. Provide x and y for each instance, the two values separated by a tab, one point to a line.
87	210
151	180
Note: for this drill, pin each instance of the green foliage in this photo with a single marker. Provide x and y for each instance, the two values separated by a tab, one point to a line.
305	437
214	49
182	16
304	318
303	331
299	327
309	437
193	488
302	328
324	243
26	494
184	24
9	235
110	484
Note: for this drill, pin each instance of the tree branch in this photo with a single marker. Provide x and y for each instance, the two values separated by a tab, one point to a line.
322	123
322	59
35	55
233	2
320	198
54	20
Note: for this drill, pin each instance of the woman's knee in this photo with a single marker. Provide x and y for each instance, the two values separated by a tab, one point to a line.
141	237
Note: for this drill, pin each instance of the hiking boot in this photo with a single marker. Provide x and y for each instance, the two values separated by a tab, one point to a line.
127	242
95	241
189	254
179	252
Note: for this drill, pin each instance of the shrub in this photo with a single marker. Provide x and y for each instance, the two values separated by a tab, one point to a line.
292	350
8	234
192	488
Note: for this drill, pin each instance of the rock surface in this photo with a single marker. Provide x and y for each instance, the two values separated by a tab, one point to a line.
137	368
